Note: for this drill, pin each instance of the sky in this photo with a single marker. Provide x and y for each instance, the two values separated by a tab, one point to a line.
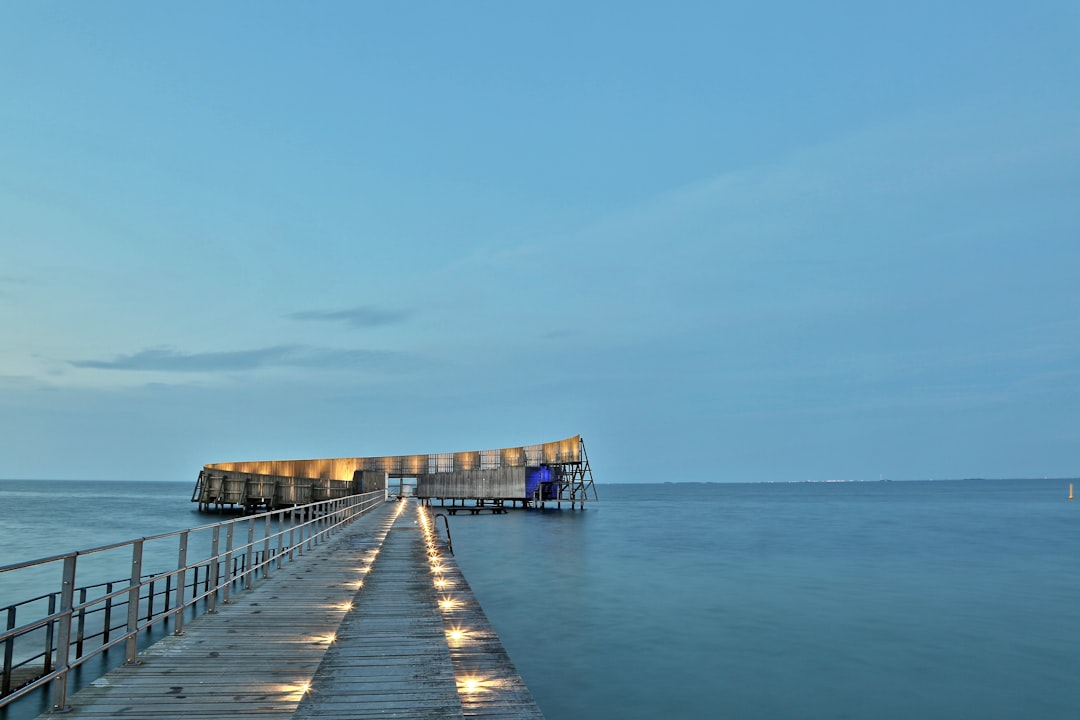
740	241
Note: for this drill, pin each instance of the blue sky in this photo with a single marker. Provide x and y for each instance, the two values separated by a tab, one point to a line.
757	241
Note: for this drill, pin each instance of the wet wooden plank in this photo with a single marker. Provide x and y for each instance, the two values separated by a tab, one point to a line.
312	643
391	656
489	685
257	655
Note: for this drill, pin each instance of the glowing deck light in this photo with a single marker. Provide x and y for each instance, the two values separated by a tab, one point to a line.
441	582
295	692
346	606
456	634
447	603
470	684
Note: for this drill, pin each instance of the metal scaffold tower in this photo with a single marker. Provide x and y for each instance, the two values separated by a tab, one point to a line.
571	481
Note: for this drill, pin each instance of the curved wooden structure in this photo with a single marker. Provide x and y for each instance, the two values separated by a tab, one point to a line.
530	474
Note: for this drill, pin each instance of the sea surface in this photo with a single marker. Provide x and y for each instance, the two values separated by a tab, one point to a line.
882	600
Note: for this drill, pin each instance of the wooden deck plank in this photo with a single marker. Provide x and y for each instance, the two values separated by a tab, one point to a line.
311	643
397	617
490	687
258	653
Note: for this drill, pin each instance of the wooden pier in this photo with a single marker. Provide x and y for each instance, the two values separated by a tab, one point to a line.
378	622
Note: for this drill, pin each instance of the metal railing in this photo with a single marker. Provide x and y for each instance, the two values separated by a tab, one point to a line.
72	625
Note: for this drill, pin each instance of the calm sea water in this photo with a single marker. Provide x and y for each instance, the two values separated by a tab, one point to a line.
855	600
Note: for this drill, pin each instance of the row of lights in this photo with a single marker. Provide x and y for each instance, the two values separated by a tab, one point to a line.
299	690
455	634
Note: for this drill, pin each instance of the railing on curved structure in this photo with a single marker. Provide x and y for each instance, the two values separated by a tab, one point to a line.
72	625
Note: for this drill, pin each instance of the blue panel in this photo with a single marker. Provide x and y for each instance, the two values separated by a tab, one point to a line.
534	476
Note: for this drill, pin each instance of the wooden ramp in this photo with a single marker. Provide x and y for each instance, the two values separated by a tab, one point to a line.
357	629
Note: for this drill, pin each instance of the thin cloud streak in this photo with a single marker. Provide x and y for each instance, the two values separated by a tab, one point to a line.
361	316
171	360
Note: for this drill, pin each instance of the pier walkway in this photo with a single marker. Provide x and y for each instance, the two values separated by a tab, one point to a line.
379	622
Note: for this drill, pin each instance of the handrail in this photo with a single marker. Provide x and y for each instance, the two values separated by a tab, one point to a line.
46	647
173	533
446	522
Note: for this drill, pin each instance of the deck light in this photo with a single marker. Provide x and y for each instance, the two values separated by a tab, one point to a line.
295	692
470	684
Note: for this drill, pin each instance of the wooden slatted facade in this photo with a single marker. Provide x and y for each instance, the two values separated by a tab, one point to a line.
556	471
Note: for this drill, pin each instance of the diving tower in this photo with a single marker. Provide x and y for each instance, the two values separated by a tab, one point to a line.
533	475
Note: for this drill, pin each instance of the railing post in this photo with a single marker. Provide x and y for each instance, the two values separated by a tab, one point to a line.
249	568
227	585
63	645
303	530
181	567
80	630
9	653
150	593
290	519
266	547
131	647
107	629
213	570
280	540
50	634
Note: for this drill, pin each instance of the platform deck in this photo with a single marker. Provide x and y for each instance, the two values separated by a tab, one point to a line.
353	630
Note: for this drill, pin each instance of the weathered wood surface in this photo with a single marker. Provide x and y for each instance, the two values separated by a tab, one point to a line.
489	685
312	642
391	657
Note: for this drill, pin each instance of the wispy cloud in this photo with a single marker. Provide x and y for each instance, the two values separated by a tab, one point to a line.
172	360
8	282
361	316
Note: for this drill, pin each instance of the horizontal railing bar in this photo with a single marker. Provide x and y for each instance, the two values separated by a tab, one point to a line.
232	566
173	533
